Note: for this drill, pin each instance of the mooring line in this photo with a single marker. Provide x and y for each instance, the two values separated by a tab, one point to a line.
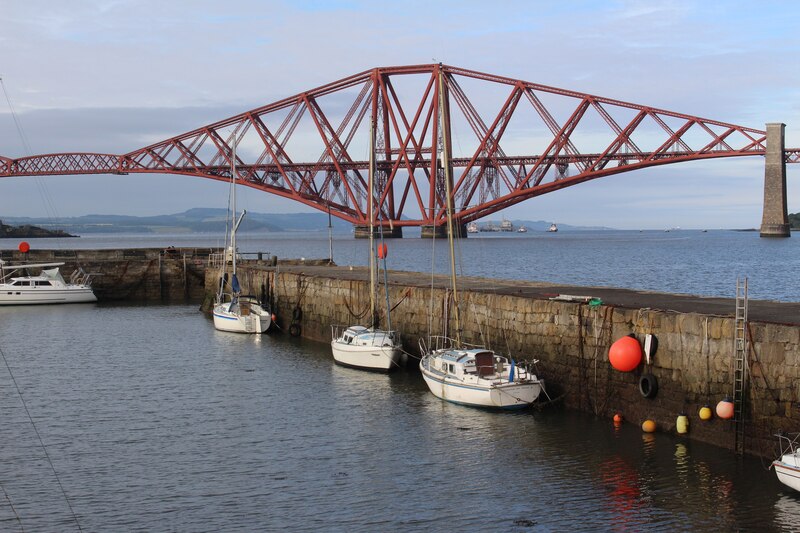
41	442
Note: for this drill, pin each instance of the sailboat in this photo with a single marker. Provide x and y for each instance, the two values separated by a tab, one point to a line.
234	311
469	374
368	347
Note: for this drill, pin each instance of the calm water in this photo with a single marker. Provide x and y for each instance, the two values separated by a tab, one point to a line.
157	422
679	261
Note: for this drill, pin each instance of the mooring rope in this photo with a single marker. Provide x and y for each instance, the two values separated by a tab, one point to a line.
41	442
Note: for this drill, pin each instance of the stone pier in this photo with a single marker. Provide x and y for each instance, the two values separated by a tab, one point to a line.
775	218
440	232
569	330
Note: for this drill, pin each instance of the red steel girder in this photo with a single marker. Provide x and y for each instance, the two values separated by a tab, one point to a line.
521	141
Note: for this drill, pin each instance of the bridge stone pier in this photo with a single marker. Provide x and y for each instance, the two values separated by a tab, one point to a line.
775	218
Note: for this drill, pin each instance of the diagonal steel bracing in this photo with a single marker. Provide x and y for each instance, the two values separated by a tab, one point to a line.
511	140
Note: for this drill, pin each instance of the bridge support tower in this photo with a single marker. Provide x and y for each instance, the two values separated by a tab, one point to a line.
362	232
440	232
775	218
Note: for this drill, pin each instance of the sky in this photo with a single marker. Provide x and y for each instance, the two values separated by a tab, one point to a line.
116	75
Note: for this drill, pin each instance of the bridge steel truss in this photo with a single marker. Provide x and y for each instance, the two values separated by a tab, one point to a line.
529	140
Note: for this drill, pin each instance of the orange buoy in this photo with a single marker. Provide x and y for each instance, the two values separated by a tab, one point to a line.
617	418
24	247
274	317
725	409
705	413
648	426
625	354
383	251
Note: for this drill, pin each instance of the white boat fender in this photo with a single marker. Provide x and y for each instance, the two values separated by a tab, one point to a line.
648	385
650	346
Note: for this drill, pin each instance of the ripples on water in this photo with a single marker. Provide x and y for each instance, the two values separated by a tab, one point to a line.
157	422
679	261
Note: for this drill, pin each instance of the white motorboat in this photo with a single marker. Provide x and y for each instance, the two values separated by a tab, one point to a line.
553	228
368	347
522	229
19	287
461	373
472	227
234	311
787	466
476	376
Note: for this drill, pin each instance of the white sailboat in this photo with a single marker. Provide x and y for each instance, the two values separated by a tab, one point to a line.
19	287
460	373
787	466
234	311
368	347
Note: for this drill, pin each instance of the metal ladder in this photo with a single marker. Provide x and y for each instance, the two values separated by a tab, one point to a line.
740	363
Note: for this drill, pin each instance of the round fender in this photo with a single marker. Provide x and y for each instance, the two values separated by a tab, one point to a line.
294	330
648	385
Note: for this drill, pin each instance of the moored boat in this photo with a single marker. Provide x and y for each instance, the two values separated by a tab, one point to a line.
476	376
787	466
468	374
369	347
19	287
472	227
234	311
553	228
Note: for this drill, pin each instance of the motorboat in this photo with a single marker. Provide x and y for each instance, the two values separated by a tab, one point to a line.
522	229
18	286
553	228
787	466
369	347
472	227
476	376
234	311
468	374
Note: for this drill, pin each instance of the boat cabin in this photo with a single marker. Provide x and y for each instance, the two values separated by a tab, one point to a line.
457	363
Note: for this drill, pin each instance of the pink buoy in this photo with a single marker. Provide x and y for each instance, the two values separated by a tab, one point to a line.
725	409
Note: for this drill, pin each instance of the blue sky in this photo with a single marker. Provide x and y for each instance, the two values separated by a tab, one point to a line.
113	76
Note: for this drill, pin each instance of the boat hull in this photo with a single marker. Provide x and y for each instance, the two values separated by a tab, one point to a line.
17	296
788	471
377	358
257	321
499	396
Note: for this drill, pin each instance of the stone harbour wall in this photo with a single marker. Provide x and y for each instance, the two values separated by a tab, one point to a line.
692	364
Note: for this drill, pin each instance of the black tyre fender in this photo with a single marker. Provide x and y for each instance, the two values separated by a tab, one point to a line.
294	330
648	385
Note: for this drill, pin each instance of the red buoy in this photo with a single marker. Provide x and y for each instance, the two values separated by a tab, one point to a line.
725	409
24	247
625	354
383	251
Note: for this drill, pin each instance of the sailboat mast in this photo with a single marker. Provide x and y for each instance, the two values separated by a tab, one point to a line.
233	202
370	214
444	117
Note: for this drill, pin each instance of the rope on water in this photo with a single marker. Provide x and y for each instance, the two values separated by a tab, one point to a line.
41	442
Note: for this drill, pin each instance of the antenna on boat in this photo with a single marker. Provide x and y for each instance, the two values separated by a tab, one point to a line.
371	215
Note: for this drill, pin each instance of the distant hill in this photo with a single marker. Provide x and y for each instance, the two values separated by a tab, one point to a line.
197	220
213	220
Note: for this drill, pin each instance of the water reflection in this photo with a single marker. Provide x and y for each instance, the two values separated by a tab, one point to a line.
157	421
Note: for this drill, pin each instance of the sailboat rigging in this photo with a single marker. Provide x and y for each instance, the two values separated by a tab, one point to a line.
458	372
368	347
234	311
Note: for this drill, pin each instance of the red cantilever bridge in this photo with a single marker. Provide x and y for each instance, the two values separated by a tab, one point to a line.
504	140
